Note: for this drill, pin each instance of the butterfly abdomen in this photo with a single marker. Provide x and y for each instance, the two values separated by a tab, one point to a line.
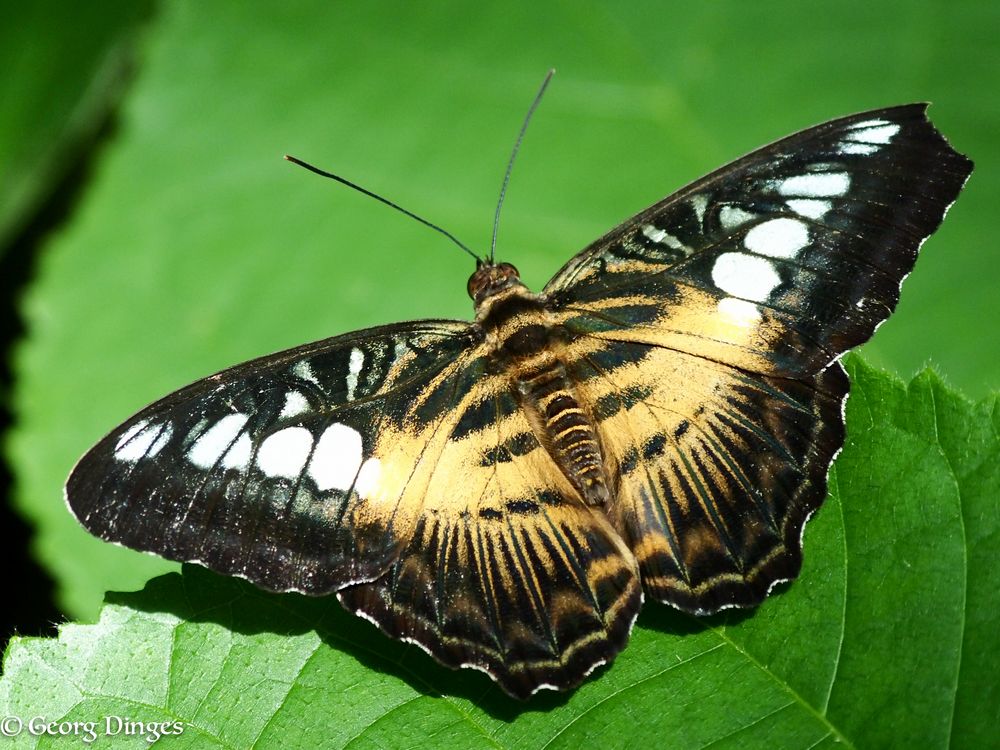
529	346
566	430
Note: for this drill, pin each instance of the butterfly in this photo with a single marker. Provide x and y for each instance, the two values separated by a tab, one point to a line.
658	421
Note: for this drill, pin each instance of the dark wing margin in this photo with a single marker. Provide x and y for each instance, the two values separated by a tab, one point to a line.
797	250
260	470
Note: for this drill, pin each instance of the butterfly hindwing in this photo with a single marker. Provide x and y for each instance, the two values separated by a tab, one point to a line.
538	595
505	568
782	260
717	469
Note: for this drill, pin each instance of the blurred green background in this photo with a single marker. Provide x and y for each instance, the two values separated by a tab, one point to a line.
182	243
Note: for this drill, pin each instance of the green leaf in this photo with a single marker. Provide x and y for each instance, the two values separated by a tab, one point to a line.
886	639
196	247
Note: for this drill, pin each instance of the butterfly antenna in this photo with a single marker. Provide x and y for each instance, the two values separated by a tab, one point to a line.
510	164
386	201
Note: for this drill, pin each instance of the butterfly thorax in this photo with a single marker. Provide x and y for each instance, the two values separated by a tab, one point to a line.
527	345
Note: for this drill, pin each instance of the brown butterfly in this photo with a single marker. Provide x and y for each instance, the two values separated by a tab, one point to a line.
661	418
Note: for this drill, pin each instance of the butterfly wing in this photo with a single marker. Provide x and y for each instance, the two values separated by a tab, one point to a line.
391	462
260	470
717	469
708	329
782	260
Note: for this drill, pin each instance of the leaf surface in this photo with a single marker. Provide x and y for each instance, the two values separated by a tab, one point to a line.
886	639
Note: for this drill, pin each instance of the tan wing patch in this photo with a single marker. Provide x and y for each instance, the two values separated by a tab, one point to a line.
745	334
717	470
724	329
502	567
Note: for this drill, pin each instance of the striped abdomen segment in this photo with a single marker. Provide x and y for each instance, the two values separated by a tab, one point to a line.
566	429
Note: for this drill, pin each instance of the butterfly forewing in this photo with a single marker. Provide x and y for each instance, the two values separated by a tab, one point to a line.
663	418
262	470
782	260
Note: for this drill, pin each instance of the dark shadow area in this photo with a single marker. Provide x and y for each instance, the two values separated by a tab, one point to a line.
199	595
29	607
665	619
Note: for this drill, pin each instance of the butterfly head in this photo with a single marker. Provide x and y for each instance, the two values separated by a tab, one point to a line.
491	279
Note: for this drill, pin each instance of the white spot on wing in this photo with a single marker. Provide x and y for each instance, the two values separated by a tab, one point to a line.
303	369
284	453
778	238
815	185
739	311
868	137
652	233
131	432
399	350
216	440
295	404
124	443
857	149
732	217
874	131
197	429
353	370
337	458
809	207
699	203
661	237
747	276
238	457
143	439
161	440
368	477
